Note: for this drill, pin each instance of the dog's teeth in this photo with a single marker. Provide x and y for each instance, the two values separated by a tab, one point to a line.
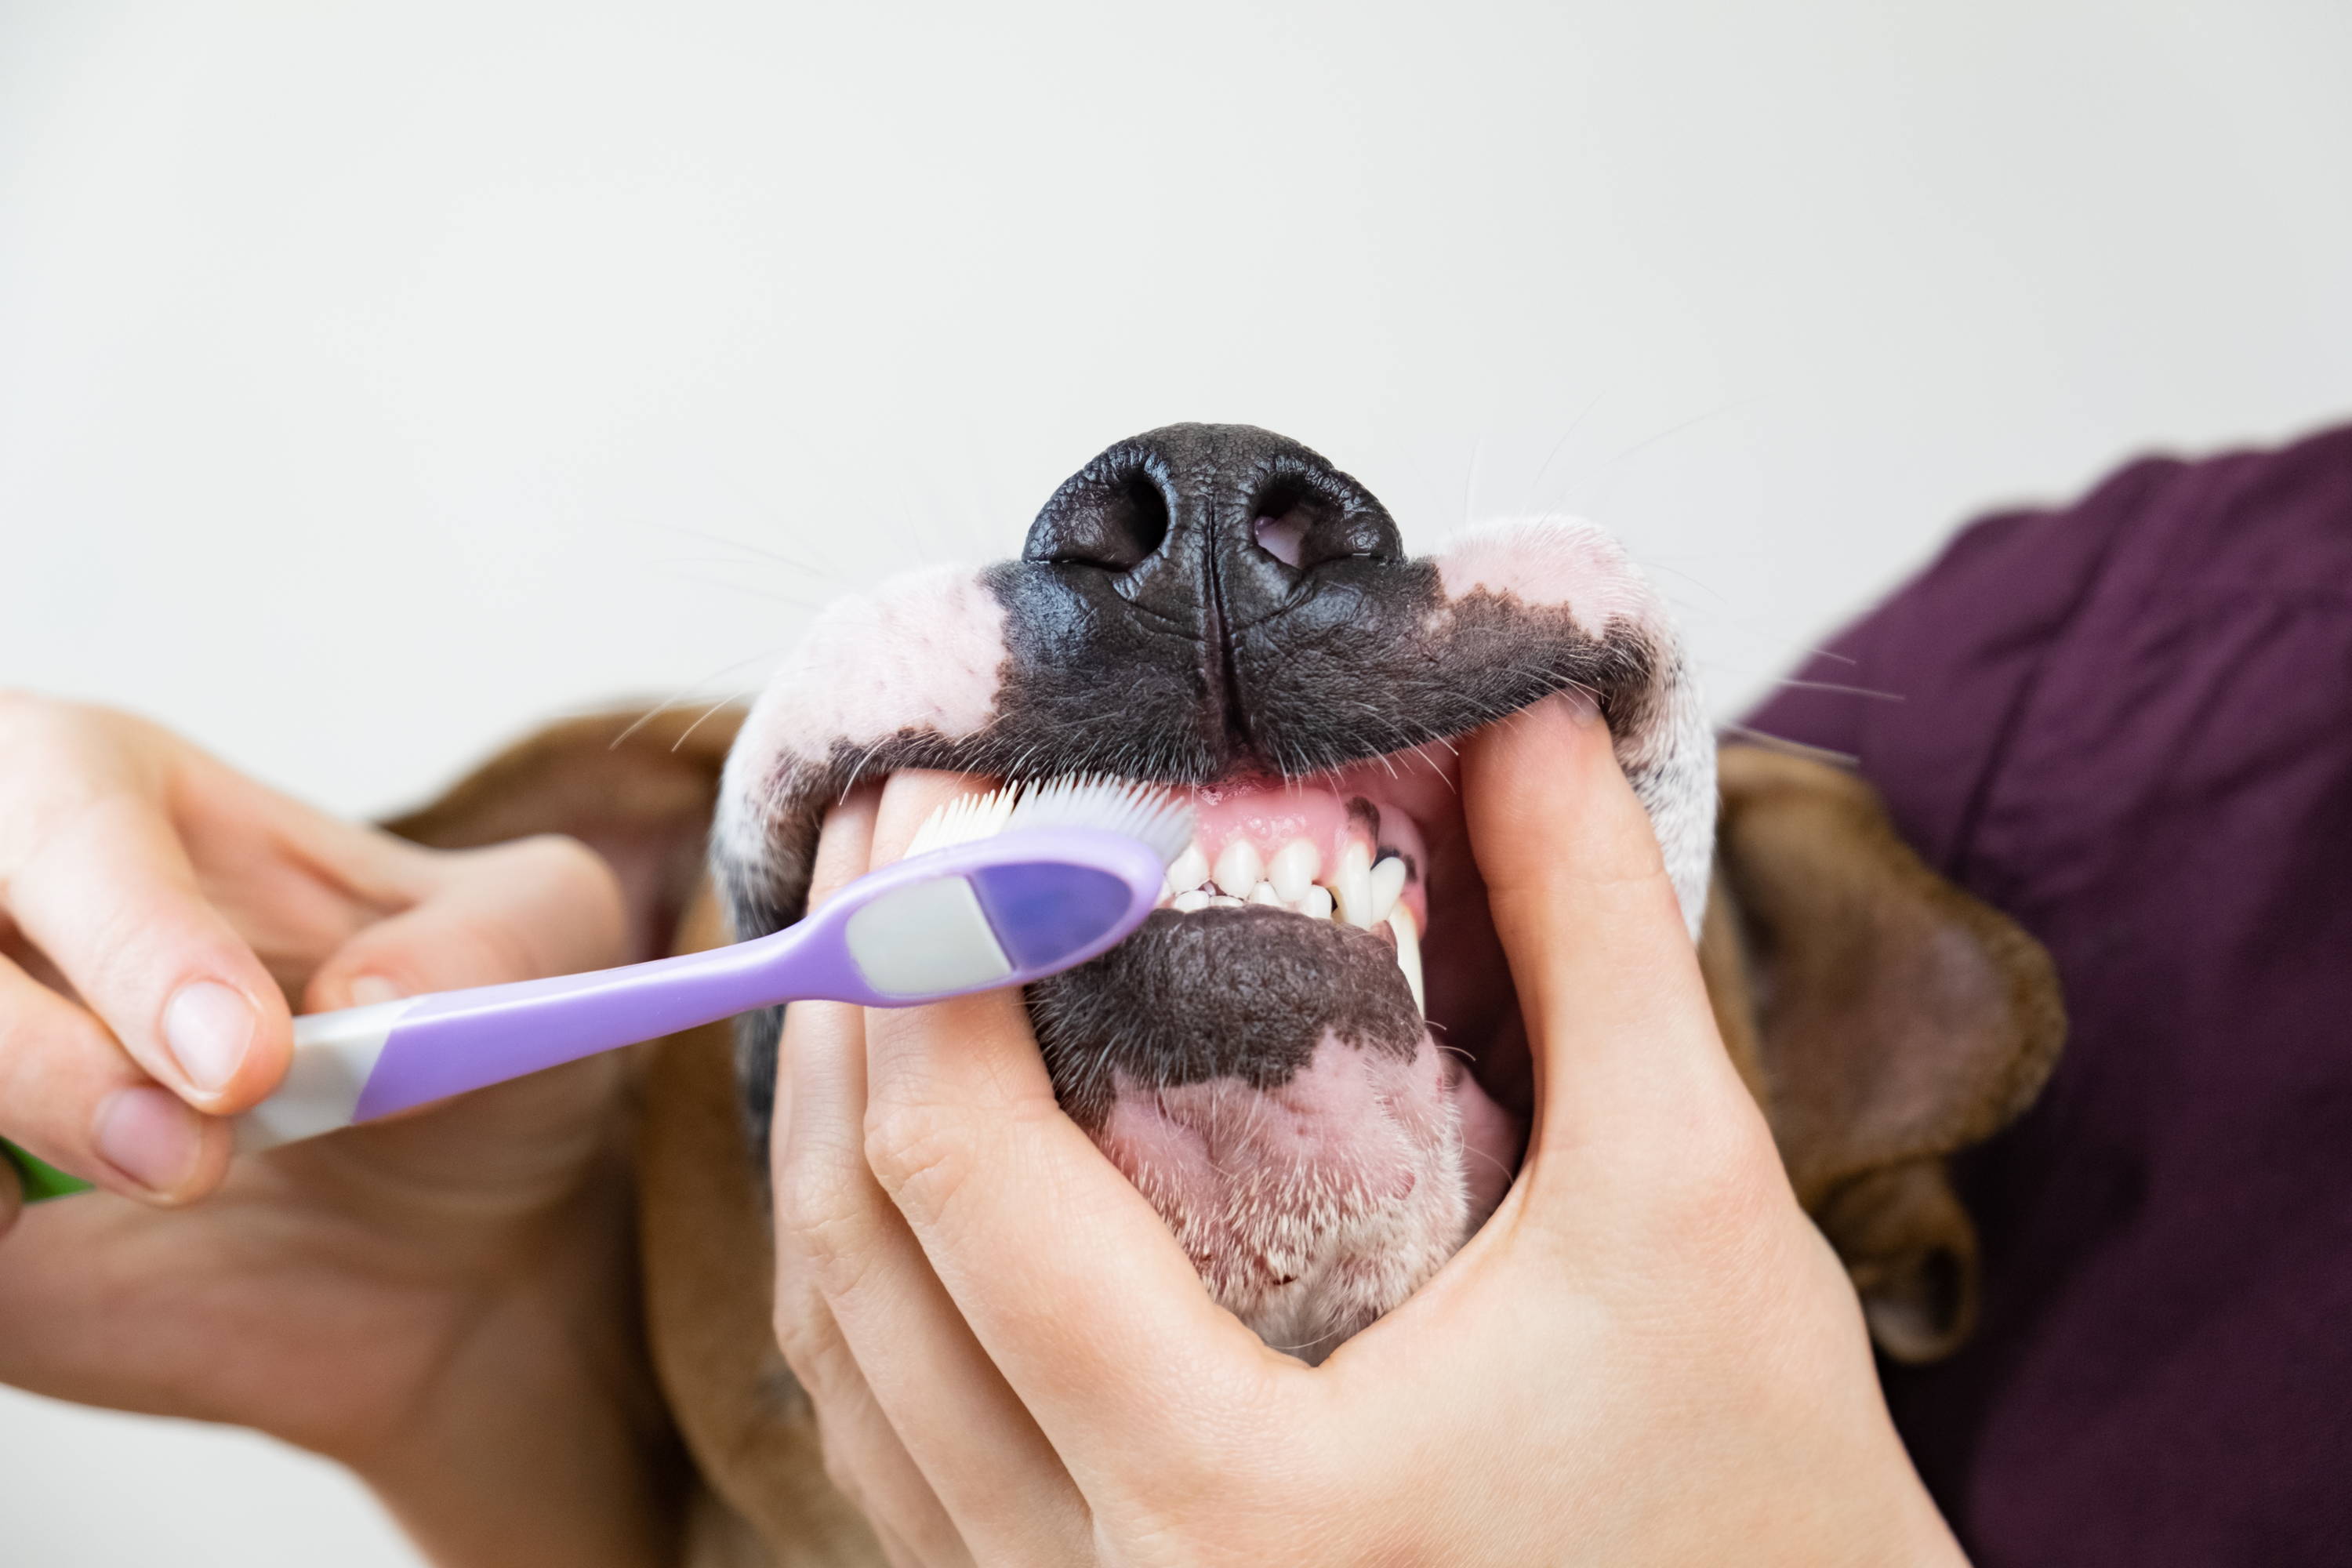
1190	900
1408	954
1296	866
1224	901
1264	893
1239	869
1388	886
1190	870
1316	903
1352	888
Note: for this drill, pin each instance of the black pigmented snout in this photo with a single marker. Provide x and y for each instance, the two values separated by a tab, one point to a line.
1219	525
1203	598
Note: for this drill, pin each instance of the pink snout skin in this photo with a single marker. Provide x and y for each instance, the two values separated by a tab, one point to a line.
1312	1207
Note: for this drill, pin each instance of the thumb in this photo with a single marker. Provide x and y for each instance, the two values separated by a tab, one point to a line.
522	910
1627	1058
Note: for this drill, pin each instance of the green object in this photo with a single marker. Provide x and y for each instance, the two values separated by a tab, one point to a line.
42	1180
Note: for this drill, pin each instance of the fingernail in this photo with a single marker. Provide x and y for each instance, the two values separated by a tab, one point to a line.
208	1029
372	988
149	1136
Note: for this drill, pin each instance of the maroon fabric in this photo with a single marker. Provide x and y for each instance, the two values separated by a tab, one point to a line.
2129	724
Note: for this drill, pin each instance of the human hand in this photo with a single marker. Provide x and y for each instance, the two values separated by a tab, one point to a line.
413	1297
1647	1355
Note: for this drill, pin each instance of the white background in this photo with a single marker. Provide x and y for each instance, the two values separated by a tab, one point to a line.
376	379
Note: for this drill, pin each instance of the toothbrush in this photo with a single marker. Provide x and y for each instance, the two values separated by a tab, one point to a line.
996	889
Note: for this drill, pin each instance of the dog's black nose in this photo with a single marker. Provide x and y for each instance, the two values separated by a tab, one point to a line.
1216	572
1226	523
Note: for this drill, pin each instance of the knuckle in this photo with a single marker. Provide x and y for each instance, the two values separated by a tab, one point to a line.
922	1154
817	1210
46	1050
563	854
826	1237
498	944
560	860
805	1339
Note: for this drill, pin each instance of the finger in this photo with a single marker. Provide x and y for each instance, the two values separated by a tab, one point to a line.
864	1455
844	846
1626	1051
845	849
824	1235
864	1458
523	911
979	1451
1067	1277
109	897
70	1095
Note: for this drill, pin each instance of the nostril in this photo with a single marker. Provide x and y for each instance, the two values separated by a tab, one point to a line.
1284	537
1303	524
1267	507
1116	523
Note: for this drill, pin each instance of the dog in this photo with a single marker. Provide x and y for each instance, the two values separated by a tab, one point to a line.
1219	609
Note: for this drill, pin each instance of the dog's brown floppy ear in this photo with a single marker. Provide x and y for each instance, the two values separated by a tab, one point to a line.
637	787
1883	1019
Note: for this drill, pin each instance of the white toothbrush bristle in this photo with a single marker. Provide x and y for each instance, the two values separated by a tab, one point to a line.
1143	812
963	819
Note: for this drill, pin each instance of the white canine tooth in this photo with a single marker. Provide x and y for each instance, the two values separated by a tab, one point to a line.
1316	903
1224	901
1296	866
1190	900
1240	868
1388	886
1352	888
1408	940
1190	870
1264	893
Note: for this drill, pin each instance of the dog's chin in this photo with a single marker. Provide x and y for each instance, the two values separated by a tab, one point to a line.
1267	1078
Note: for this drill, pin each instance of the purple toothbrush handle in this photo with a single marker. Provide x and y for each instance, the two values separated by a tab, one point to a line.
1051	898
459	1040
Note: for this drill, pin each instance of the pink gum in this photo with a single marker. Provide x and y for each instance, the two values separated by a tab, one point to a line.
1271	815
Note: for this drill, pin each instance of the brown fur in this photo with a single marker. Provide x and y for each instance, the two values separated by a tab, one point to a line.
1881	1017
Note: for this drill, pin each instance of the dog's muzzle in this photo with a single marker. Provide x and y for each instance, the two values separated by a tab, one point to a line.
1317	1073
